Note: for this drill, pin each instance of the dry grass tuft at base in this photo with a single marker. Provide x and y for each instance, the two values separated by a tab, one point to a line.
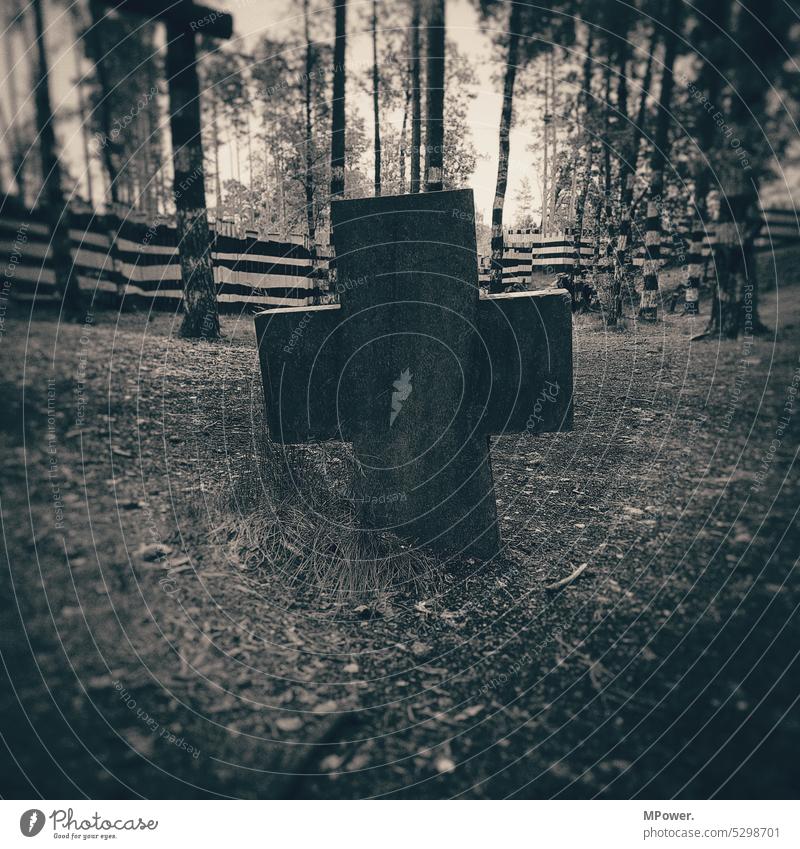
291	516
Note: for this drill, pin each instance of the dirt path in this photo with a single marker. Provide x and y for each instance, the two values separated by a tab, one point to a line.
152	662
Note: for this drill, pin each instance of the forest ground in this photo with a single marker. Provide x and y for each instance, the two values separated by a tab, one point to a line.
669	668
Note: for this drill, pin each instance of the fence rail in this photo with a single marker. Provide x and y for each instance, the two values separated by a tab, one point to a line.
125	260
121	259
527	251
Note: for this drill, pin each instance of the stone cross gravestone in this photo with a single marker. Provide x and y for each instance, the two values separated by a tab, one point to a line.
416	370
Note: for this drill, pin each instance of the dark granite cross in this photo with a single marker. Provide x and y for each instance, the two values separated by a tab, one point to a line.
183	20
417	370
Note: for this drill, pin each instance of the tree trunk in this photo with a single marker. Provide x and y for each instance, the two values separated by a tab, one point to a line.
132	165
588	146
153	124
270	213
236	153
96	51
161	190
201	319
506	116
250	168
434	118
150	168
698	213
580	210
416	98
84	118
648	306
376	115
311	227
281	192
554	137
252	215
618	270
596	241
216	142
631	162
606	229
738	167
338	110
5	132
710	83
545	164
56	210
733	310
403	135
16	145
627	174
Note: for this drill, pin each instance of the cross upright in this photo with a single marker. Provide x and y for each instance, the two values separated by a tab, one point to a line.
416	370
183	19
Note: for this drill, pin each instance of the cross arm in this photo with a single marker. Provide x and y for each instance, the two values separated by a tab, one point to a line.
190	16
526	362
299	350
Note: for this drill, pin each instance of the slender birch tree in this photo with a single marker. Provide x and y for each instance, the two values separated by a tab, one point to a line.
338	110
416	98
648	306
434	116
376	113
308	111
506	115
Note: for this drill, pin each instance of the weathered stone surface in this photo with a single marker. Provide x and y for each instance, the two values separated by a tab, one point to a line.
407	268
526	362
416	370
299	355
